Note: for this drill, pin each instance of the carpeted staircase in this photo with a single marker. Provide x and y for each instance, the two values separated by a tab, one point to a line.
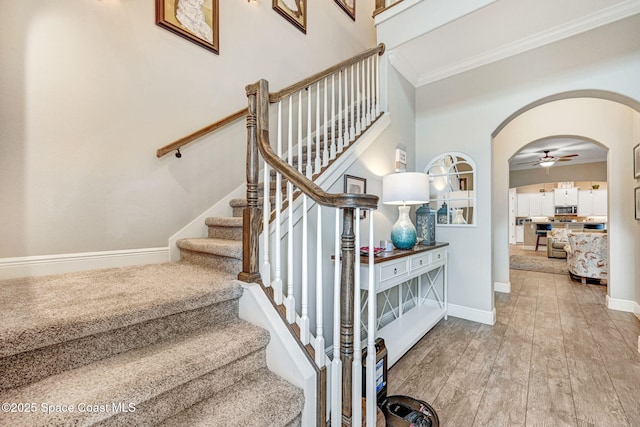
145	345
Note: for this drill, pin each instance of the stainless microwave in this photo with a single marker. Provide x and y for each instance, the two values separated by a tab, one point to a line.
566	210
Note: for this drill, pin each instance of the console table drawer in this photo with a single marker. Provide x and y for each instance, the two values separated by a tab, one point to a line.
391	270
420	261
438	256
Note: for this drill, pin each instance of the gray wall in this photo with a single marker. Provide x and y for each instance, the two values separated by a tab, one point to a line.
89	91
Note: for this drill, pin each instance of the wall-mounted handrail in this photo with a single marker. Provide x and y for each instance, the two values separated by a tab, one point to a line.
176	145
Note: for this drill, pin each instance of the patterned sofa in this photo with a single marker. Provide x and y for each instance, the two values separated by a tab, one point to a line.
587	255
556	241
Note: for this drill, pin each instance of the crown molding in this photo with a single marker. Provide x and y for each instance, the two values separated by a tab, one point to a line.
554	34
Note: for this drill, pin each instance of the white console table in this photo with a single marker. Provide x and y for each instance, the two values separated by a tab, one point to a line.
396	270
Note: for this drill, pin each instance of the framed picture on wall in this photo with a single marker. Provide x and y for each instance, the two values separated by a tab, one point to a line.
295	11
349	6
636	161
194	20
356	185
636	201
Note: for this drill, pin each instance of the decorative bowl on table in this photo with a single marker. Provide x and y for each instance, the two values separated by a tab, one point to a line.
364	250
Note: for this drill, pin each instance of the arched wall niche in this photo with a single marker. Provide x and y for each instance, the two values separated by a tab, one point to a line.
603	117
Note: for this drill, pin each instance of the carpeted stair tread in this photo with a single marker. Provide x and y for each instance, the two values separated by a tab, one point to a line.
220	247
249	403
223	221
40	311
137	376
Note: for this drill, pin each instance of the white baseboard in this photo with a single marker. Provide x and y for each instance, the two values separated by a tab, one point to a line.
12	268
502	287
622	305
473	314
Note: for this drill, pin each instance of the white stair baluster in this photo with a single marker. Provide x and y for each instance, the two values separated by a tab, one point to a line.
340	116
363	107
356	373
368	104
334	147
300	131
277	282
377	62
309	171
266	212
336	363
325	106
318	141
371	394
319	342
357	100
304	303
352	122
290	303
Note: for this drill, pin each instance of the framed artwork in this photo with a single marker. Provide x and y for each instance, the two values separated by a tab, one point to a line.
356	185
194	20
636	200
295	11
349	6
636	161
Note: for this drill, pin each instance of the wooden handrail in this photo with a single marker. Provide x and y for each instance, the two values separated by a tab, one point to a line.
296	87
380	7
274	97
308	187
205	130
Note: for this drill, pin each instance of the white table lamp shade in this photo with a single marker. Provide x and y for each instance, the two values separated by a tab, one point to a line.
407	188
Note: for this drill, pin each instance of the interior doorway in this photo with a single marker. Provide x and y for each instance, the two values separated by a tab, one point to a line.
539	171
599	116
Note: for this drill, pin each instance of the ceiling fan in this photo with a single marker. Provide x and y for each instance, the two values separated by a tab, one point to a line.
548	160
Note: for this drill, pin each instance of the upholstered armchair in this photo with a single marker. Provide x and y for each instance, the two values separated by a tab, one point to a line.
587	255
556	241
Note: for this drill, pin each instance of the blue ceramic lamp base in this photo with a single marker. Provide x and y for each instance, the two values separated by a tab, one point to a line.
403	232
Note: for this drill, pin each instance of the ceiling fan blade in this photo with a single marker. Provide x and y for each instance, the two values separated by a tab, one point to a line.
563	160
568	155
526	163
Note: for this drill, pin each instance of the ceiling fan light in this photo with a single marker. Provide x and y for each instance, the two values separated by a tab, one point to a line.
547	163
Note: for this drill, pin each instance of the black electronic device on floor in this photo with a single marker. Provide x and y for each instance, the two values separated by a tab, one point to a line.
405	411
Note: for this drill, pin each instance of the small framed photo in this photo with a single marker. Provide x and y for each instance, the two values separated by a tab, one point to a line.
349	6
196	21
636	201
295	11
636	161
356	185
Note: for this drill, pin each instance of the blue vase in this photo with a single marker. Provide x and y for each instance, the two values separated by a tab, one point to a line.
403	232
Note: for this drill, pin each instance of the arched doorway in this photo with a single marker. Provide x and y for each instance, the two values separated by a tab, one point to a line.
605	117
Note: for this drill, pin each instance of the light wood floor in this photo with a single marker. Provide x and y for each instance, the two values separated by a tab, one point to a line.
555	357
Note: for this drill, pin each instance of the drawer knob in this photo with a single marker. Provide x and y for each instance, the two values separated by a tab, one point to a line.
420	262
395	270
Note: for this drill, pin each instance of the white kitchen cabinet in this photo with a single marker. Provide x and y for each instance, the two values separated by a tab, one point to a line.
535	204
519	233
522	204
565	196
592	203
548	204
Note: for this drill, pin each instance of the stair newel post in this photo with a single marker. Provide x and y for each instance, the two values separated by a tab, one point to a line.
357	346
346	312
251	214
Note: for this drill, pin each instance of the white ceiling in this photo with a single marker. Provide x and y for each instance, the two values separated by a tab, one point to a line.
587	152
493	47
